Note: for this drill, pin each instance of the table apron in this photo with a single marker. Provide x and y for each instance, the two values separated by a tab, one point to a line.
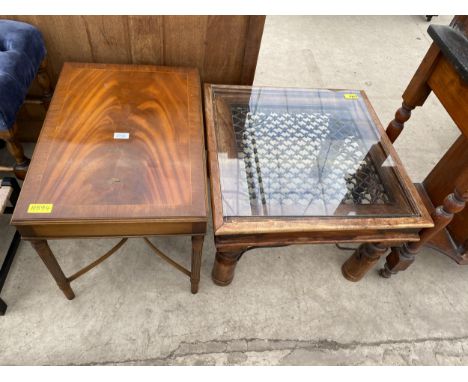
97	230
235	242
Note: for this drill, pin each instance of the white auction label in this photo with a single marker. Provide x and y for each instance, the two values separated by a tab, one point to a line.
121	135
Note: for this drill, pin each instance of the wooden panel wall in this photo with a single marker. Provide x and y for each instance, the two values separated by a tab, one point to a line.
224	48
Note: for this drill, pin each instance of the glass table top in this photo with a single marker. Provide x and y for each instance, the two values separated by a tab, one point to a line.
303	152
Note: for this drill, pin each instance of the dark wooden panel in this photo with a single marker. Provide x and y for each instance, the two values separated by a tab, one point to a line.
252	47
223	48
146	39
184	41
108	39
223	66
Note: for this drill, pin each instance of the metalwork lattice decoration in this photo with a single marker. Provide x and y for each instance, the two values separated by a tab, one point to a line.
297	159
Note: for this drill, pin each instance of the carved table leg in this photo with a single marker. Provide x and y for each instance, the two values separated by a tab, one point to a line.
224	267
45	253
197	249
363	259
43	80
401	258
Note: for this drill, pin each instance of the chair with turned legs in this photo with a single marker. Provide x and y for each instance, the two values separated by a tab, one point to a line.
443	71
22	58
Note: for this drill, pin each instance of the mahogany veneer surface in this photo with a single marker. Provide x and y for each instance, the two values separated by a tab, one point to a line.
86	174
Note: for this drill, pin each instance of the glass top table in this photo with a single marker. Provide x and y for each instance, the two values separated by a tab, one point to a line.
289	152
304	166
284	153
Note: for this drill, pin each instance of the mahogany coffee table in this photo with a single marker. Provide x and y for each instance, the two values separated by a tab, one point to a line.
121	154
299	166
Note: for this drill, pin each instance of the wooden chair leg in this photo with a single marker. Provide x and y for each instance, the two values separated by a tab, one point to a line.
197	249
46	255
401	258
396	126
16	150
415	94
44	82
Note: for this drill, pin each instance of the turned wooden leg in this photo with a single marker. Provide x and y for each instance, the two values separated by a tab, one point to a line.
399	259
224	267
396	126
16	150
43	80
402	257
416	92
197	249
362	260
45	253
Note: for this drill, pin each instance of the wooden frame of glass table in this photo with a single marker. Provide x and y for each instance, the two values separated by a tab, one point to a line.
121	154
257	203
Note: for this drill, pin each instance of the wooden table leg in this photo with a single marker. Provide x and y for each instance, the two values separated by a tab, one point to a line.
197	249
45	253
399	259
224	267
362	260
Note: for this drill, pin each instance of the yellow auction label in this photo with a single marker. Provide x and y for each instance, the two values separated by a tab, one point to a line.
351	96
40	208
